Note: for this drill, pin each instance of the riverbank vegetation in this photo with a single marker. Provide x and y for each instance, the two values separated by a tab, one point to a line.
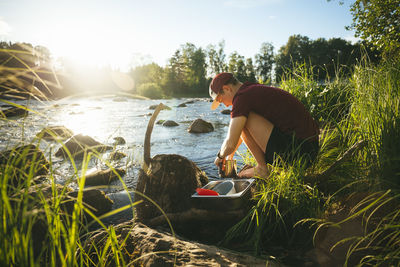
359	160
343	210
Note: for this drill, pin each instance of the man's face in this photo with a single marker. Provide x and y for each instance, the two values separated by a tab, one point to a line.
225	96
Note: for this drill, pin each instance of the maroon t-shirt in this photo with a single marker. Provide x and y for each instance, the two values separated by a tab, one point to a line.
276	105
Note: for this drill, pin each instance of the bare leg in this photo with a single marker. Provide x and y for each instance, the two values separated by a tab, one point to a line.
256	136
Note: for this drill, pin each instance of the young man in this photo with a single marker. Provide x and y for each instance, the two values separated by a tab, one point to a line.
269	120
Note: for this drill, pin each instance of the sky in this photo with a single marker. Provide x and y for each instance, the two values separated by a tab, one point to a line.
125	33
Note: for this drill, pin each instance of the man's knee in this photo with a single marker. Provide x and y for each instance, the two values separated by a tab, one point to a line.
257	121
259	128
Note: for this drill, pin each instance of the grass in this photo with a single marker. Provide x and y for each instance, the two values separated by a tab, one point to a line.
36	229
292	206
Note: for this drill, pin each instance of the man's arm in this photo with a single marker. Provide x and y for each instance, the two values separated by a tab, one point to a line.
232	139
237	146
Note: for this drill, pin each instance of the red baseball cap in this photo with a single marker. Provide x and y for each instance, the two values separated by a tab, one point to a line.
216	86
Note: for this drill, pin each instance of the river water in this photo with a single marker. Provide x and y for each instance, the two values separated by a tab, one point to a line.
104	118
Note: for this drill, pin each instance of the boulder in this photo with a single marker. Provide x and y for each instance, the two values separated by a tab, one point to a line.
160	121
78	144
183	105
55	133
45	191
169	123
226	112
143	246
103	177
33	200
119	140
201	126
152	107
11	111
117	155
169	181
23	161
35	212
95	200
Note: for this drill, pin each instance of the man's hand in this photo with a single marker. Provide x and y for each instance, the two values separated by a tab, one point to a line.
218	161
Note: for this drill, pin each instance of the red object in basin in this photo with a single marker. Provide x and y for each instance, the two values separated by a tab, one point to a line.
206	192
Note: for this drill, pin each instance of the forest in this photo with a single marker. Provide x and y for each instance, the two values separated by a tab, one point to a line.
188	71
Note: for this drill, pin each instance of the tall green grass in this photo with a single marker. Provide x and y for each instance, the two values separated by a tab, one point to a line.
363	108
328	101
376	114
36	229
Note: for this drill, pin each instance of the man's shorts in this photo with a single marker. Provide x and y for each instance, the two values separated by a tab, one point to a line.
289	148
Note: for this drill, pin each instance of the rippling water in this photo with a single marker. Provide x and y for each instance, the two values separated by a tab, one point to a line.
103	118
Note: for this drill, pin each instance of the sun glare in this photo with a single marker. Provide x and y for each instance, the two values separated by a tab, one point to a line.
88	44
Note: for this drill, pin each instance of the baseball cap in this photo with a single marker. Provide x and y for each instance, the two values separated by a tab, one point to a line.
216	86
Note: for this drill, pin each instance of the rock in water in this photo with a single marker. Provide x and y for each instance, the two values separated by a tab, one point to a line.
78	144
103	177
117	155
24	160
152	107
119	140
201	126
95	200
12	111
55	132
170	123
170	181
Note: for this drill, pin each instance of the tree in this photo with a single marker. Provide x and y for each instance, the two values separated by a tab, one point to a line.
150	90
264	62
237	66
296	50
325	56
150	73
185	72
194	64
250	73
216	58
378	23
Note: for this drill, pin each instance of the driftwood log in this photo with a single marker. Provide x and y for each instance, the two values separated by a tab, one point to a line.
166	182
